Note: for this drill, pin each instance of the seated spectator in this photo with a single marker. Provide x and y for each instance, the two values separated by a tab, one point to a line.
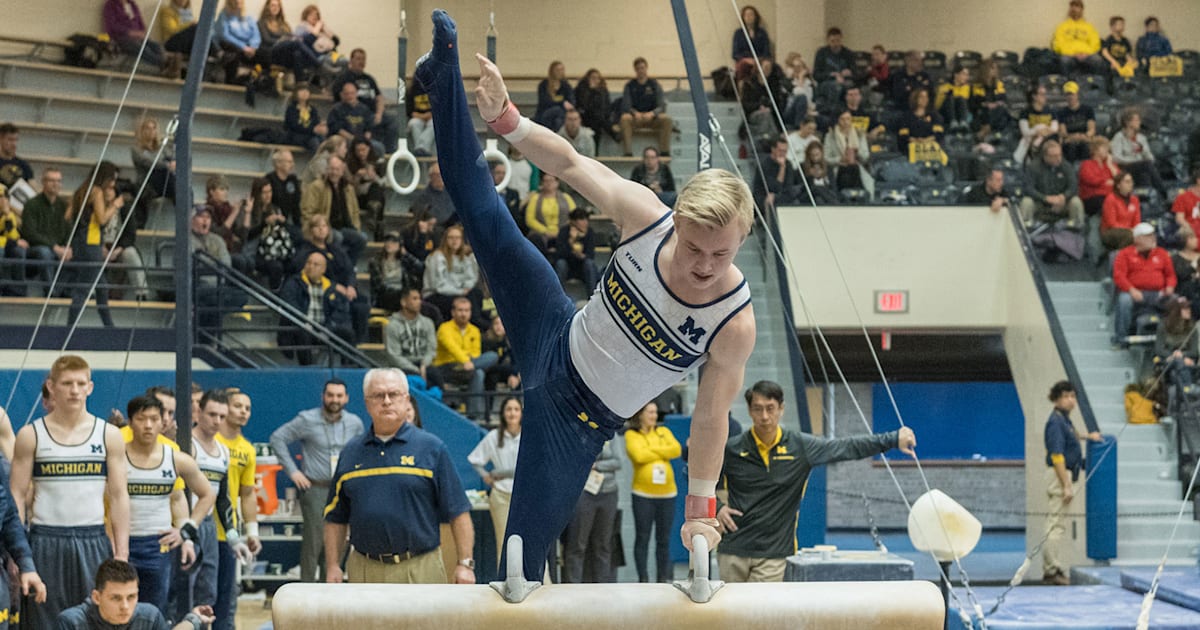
1153	43
920	131
504	373
989	106
237	34
125	27
410	339
12	249
333	146
1187	266
1186	206
350	118
1131	151
833	62
954	99
451	272
576	250
555	97
420	238
580	137
204	239
460	358
383	127
435	198
1143	275
912	80
178	23
1116	49
333	197
783	185
311	293
1077	43
224	215
302	124
283	48
1176	346
847	153
1036	123
656	176
1076	124
276	242
44	226
1122	212
314	34
1096	176
757	100
339	269
285	188
759	42
146	143
546	213
990	192
393	272
863	121
94	203
644	108
801	100
1053	190
879	73
12	168
363	169
816	171
594	104
420	120
799	139
120	248
249	225
512	199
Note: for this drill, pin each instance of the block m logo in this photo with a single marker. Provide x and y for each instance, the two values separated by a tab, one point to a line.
689	330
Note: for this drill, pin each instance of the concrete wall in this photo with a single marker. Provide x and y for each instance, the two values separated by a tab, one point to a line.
949	259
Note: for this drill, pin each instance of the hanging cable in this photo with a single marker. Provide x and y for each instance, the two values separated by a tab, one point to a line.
91	184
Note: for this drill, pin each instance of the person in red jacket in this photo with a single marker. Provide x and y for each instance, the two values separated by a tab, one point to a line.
1143	274
1122	211
1096	176
1187	205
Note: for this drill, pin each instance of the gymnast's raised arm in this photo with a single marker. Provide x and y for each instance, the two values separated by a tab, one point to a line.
631	205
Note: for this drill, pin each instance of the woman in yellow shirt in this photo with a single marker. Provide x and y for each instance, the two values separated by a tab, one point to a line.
89	210
651	449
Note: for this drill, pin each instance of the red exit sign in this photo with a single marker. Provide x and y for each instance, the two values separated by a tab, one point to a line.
891	301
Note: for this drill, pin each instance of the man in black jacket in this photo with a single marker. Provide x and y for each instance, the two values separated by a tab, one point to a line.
313	294
766	470
576	250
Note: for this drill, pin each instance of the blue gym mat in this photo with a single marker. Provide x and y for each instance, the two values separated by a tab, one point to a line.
1180	586
1074	608
1087	576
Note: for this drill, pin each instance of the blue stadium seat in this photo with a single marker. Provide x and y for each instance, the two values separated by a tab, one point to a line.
899	171
938	196
968	58
1006	61
895	194
854	197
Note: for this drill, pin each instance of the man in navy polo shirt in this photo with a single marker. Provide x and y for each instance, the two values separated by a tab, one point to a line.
392	488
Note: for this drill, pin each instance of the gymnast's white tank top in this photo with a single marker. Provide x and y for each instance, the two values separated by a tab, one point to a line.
634	338
214	467
68	480
150	495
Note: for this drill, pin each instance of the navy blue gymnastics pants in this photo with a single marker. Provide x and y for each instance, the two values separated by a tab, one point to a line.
564	424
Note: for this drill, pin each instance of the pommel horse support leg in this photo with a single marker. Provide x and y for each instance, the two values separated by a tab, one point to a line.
778	605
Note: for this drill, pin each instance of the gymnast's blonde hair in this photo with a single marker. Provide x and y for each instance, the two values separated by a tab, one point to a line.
715	198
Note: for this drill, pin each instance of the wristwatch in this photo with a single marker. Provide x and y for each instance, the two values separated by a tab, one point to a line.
467	562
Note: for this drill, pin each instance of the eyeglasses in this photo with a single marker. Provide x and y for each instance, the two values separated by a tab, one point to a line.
382	396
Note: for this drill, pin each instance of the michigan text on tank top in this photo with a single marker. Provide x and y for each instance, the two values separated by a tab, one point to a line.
69	480
214	468
634	338
150	495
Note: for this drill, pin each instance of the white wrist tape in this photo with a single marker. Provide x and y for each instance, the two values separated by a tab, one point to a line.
252	529
521	132
702	487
